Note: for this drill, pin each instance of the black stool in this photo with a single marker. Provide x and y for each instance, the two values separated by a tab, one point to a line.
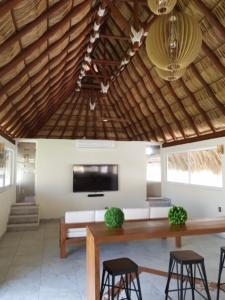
221	267
125	268
189	262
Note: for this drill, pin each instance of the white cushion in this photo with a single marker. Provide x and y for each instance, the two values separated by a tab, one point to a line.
76	232
99	215
136	213
159	212
80	216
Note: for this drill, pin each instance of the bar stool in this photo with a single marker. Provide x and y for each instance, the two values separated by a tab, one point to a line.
189	262
221	267
128	271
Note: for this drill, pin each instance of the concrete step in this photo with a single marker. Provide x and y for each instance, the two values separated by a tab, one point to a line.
18	204
23	227
20	219
24	210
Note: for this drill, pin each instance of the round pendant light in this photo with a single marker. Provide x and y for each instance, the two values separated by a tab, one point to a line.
174	41
161	7
170	75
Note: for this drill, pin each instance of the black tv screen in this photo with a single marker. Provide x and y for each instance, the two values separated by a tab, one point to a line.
95	178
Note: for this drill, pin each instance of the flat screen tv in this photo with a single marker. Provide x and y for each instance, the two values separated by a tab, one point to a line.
95	178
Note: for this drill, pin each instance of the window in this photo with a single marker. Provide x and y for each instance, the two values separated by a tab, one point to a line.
200	167
154	169
6	170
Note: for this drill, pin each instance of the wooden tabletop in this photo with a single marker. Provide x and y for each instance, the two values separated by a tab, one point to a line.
155	229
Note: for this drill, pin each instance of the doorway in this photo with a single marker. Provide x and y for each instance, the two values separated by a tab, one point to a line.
25	172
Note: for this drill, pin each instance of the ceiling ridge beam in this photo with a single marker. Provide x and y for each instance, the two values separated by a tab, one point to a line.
159	128
127	102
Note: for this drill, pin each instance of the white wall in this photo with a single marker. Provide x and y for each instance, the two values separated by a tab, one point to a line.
198	200
55	159
7	196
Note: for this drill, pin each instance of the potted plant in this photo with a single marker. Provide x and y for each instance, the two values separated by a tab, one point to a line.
177	215
114	217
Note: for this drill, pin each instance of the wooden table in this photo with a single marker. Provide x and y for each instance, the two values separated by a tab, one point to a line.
98	234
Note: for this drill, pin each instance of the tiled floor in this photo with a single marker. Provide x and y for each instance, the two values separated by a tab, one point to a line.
30	267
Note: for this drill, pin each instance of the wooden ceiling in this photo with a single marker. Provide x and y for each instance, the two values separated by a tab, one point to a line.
42	47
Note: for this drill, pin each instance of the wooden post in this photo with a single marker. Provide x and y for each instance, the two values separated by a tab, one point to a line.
62	240
93	268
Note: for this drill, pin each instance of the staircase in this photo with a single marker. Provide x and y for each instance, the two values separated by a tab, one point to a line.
23	216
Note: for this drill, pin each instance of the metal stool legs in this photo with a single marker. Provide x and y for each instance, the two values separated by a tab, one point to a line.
221	267
126	283
186	281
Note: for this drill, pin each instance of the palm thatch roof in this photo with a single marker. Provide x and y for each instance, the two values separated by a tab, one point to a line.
42	47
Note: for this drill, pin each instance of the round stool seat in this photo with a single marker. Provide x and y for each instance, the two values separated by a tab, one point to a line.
120	266
186	256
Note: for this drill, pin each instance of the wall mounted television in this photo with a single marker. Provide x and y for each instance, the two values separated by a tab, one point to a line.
95	178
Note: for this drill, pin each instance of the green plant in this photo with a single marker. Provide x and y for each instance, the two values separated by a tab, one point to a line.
177	215
114	217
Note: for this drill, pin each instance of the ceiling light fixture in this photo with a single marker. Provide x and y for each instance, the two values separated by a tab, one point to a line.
170	75
174	41
161	7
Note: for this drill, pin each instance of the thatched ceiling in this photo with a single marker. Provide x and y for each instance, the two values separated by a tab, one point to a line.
42	47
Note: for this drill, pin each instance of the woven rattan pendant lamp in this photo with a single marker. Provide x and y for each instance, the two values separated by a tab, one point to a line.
173	41
170	75
161	7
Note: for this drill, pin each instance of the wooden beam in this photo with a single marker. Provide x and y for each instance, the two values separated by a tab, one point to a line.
106	62
76	100
200	78
150	78
28	51
210	16
75	130
38	60
196	139
195	101
7	136
125	108
115	37
214	58
34	129
119	113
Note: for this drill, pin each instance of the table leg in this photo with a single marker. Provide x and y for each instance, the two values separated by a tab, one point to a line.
93	267
62	241
178	242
